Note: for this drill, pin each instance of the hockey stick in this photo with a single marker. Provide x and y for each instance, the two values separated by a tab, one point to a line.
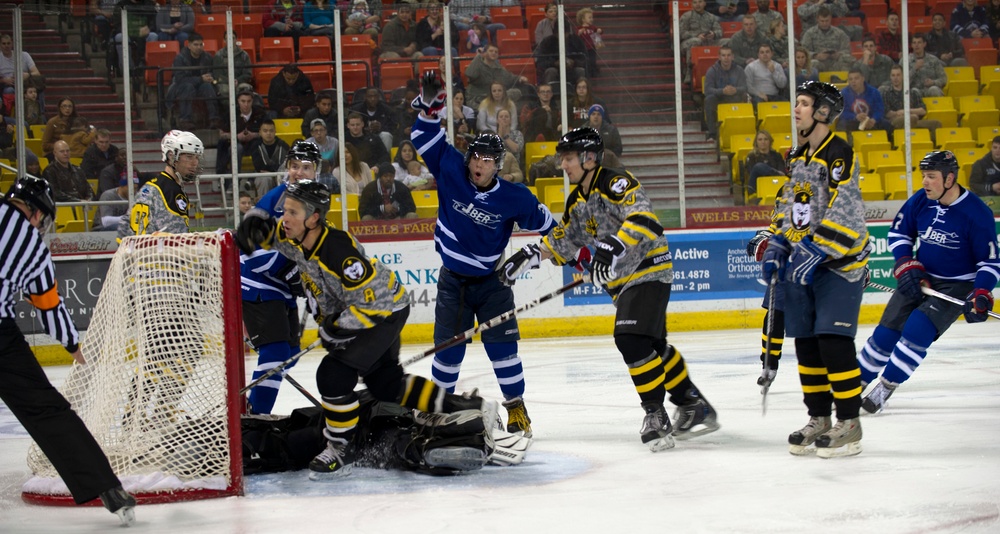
932	293
772	289
278	368
292	381
502	318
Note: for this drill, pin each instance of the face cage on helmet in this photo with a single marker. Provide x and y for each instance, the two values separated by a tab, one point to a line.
187	178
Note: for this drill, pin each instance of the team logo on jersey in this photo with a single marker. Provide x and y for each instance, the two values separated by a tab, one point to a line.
933	236
619	185
801	210
477	215
354	269
181	203
837	169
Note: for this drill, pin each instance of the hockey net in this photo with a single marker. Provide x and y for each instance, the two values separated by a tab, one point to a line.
160	389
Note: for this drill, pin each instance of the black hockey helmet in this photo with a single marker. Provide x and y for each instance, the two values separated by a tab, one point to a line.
580	140
312	194
823	94
36	193
303	150
940	160
487	145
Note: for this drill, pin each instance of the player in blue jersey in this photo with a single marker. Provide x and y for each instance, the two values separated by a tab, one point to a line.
476	216
270	283
957	256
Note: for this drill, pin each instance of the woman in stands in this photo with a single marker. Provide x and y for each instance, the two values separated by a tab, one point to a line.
804	71
406	154
358	173
761	161
581	102
64	125
488	108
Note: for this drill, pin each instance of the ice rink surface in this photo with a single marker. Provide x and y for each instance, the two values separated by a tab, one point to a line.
931	461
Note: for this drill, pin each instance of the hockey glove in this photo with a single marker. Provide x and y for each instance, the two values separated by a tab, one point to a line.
978	305
334	337
529	257
256	228
609	251
582	260
290	274
910	276
775	257
804	260
758	244
432	95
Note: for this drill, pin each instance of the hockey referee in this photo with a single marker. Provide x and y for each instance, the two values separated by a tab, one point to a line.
26	268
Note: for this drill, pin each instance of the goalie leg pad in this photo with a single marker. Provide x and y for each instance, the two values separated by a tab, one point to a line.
509	448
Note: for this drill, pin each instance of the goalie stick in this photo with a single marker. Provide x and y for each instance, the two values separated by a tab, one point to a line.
931	293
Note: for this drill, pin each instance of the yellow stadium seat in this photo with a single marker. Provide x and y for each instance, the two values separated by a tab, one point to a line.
735	119
769	187
871	187
941	108
740	145
827	76
989	76
883	162
783	142
978	111
954	138
868	140
288	130
961	81
782	110
535	151
427	203
918	137
543	183
555	198
986	134
894	185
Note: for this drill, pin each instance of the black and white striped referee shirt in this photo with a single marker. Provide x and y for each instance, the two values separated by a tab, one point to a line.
26	268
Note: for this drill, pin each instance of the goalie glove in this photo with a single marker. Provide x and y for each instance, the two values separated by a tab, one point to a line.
608	252
758	244
256	229
432	95
910	276
529	257
978	305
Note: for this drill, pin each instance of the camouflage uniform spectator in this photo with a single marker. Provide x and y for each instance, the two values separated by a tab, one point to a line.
830	46
892	96
765	16
926	71
873	65
809	12
746	42
725	82
698	28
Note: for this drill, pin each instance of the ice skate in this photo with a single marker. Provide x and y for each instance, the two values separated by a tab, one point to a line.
844	439
765	379
656	429
695	417
335	461
874	401
799	441
121	503
517	417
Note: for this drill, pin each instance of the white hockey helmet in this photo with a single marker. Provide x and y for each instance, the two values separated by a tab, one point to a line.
178	142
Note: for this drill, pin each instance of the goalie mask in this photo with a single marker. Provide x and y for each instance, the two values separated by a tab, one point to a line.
178	142
582	140
37	195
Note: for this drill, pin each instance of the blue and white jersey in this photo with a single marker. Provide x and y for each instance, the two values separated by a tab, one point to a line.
261	272
955	242
473	227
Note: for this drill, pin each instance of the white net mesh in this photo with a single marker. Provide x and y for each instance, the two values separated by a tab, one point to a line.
153	391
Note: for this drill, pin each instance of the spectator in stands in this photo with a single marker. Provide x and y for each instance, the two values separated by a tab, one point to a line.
82	137
386	198
890	40
456	79
361	20
369	147
62	126
268	153
399	37
141	20
863	106
549	25
405	113
467	13
766	80
285	19
543	120
317	18
579	105
873	65
98	155
809	11
592	37
101	12
327	144
730	10
724	82
945	44
926	71
892	97
190	84
380	119
746	42
609	133
358	174
830	46
698	28
765	16
430	32
486	116
513	139
30	72
110	176
290	93
248	120
778	37
458	109
67	180
970	20
485	70
242	69
993	14
761	161
174	22
324	109
984	179
547	56
246	203
109	215
406	157
34	115
804	69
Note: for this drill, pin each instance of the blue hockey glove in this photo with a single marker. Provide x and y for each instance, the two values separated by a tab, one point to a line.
432	95
910	276
609	251
334	337
256	228
776	257
529	257
978	305
804	260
